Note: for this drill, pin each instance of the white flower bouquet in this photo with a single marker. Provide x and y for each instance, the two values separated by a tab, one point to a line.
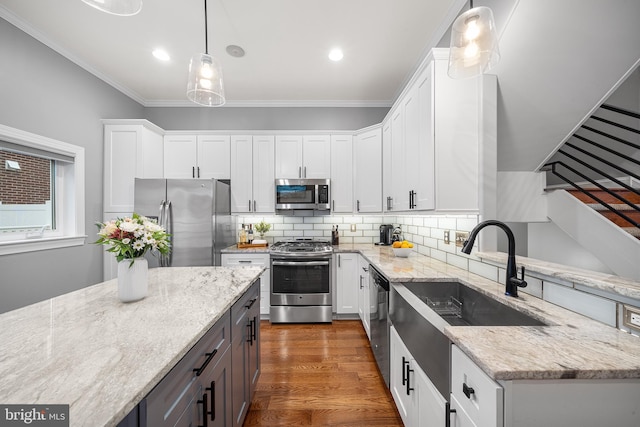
130	238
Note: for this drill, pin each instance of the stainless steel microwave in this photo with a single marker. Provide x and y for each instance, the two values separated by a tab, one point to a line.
312	194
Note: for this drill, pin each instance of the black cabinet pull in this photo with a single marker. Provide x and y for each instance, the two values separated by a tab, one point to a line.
409	388
198	171
253	301
249	336
468	391
193	171
201	369
405	364
447	414
212	389
254	329
205	411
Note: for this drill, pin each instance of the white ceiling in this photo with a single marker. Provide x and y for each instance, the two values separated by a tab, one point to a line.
286	44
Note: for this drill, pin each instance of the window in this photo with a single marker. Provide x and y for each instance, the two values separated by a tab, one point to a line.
41	192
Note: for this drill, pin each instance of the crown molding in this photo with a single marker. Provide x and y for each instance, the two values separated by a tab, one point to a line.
275	103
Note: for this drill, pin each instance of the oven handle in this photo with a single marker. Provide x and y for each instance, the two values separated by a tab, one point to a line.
299	263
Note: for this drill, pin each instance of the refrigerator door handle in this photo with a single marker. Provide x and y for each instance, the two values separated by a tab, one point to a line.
161	222
169	228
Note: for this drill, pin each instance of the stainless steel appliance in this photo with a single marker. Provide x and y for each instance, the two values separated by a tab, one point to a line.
301	281
195	212
303	194
386	232
378	320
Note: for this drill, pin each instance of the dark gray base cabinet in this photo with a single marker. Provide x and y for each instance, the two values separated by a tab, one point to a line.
213	383
245	345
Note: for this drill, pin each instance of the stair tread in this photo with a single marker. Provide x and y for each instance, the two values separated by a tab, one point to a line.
616	206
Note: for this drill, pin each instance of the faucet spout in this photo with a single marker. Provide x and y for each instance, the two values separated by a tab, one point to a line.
512	281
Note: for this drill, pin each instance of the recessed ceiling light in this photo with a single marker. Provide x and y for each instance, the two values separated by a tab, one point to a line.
336	54
161	54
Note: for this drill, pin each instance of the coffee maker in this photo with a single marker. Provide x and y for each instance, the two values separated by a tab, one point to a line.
386	231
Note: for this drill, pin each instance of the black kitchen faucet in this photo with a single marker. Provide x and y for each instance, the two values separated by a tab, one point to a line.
512	281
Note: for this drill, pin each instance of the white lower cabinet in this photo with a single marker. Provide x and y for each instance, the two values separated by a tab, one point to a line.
346	283
259	260
364	294
418	401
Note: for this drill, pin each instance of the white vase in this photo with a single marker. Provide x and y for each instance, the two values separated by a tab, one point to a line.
132	279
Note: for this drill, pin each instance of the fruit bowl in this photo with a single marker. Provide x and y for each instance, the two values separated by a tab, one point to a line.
402	252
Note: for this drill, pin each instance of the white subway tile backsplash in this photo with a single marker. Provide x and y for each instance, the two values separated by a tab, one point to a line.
313	220
534	286
447	223
418	221
592	306
363	240
450	248
293	219
485	270
439	255
457	261
303	226
431	221
465	224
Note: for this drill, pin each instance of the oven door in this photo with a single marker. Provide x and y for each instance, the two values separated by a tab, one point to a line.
300	282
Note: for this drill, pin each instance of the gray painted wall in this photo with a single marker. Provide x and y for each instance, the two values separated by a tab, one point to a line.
264	118
44	93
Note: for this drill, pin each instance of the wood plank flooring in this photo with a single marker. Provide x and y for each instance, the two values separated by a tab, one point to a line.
319	375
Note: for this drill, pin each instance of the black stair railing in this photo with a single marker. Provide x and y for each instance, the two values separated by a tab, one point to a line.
588	169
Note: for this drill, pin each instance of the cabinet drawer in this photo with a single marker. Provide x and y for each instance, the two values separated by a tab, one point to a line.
168	400
261	260
460	418
484	405
250	301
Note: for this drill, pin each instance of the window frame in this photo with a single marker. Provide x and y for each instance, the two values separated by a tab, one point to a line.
69	197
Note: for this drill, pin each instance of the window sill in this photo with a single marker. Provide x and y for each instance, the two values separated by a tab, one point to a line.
32	245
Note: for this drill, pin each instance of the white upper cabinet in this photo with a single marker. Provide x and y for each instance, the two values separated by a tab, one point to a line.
420	146
252	174
197	156
367	155
306	156
399	189
131	150
342	173
387	178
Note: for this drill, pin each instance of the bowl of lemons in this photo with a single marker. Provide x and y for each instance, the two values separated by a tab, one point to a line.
402	249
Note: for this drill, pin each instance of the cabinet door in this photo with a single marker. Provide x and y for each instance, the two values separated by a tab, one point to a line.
261	260
264	187
214	157
364	295
400	379
180	154
216	390
398	179
431	405
342	173
368	171
387	178
347	283
316	153
411	135
289	157
241	173
425	151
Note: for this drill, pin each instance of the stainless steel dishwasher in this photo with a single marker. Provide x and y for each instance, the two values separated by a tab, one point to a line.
379	294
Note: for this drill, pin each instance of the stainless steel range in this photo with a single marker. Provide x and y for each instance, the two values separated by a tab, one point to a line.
301	281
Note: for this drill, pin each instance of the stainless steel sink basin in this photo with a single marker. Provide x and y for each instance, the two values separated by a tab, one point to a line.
460	305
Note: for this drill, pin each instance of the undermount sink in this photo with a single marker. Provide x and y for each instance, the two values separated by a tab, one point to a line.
460	305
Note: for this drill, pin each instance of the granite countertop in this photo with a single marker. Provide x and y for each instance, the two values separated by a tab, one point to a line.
572	346
234	249
102	356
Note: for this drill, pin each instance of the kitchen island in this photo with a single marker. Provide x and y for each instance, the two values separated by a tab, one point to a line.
101	356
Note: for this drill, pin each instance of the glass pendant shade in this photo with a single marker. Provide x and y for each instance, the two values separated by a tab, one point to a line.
117	7
205	81
474	44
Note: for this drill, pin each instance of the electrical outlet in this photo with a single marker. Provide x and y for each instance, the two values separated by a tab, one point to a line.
447	239
461	237
631	317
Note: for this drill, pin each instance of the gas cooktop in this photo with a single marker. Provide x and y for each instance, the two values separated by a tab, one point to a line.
299	246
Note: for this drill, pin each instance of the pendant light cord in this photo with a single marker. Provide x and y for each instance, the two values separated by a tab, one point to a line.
206	34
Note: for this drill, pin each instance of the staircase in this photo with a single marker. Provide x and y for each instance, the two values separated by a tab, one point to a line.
622	214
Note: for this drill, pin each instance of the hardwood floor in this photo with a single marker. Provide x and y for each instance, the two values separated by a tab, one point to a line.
319	375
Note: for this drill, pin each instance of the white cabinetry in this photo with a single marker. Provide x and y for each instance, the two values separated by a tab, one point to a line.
197	156
132	149
252	174
364	294
341	173
387	178
346	283
417	399
367	155
306	156
254	260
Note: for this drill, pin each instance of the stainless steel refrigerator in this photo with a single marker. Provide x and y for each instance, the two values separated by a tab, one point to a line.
195	212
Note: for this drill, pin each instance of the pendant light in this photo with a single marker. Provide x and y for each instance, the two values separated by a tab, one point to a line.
117	7
205	75
474	43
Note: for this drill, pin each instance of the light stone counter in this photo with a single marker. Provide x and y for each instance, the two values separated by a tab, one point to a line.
102	356
572	346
